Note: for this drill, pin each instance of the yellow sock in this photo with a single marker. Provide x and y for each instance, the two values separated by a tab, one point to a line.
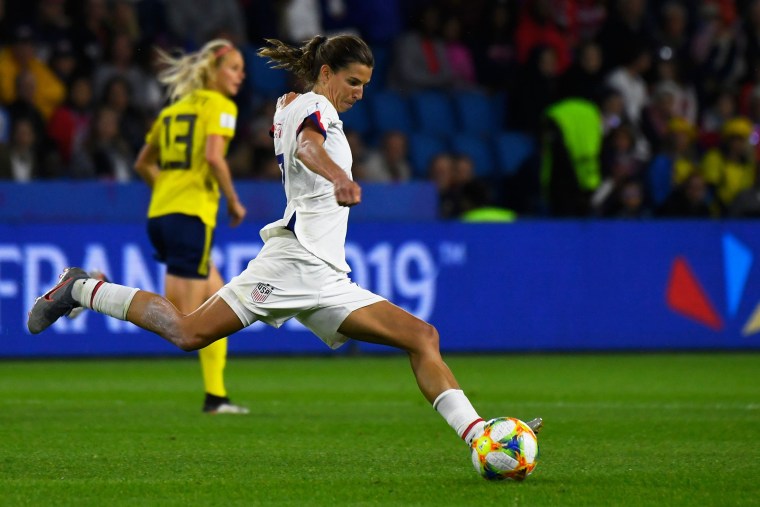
213	360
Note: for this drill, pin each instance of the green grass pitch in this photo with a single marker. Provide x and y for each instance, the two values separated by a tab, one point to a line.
649	429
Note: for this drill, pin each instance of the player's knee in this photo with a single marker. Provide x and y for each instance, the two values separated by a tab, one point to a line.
428	336
188	340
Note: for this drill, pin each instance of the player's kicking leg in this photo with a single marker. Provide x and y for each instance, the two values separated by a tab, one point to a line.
387	324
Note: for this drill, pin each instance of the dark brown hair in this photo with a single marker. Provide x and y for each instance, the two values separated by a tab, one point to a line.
337	52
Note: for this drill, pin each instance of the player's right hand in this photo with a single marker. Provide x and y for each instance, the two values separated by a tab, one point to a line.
348	192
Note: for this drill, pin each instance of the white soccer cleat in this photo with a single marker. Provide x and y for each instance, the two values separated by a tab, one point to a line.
229	408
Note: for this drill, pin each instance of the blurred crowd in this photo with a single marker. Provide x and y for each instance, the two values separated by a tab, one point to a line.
634	108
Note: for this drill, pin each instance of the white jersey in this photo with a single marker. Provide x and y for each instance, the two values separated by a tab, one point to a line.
312	212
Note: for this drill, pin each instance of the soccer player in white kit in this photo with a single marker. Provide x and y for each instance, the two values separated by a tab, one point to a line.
301	272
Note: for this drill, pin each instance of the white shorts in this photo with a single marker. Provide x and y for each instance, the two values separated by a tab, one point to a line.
285	281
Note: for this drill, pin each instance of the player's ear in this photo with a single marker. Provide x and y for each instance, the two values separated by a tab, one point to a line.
325	72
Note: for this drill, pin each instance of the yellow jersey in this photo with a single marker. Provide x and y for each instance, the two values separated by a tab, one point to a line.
186	183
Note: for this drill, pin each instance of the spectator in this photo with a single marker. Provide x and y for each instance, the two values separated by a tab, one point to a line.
118	97
723	108
24	108
358	151
495	54
669	70
584	78
657	115
538	88
612	109
300	20
458	55
584	19
52	26
124	20
193	22
746	204
690	199
441	173
24	160
390	163
63	61
452	175
627	201
718	49
730	168
105	155
120	64
536	27
92	33
250	159
628	79
672	36
70	124
152	91
20	58
673	165
619	167
419	57
628	21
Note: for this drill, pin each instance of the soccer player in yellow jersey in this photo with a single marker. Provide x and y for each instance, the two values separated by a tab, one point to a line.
183	161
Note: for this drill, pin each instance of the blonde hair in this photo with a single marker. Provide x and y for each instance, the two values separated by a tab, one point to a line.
186	73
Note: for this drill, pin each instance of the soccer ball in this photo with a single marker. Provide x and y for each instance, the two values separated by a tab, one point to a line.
507	449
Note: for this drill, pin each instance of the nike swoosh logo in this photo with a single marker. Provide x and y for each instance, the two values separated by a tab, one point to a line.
47	297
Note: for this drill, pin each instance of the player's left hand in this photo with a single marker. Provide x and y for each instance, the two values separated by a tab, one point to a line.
236	212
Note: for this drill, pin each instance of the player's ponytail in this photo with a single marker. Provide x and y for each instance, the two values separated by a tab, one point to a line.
186	73
305	61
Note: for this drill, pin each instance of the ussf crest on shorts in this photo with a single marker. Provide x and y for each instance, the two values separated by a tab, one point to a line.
261	292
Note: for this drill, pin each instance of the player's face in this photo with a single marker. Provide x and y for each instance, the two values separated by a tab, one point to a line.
230	74
345	87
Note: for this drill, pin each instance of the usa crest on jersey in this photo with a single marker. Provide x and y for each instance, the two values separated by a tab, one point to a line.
261	292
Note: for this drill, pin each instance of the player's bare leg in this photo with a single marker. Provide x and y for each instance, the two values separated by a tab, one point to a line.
212	321
387	324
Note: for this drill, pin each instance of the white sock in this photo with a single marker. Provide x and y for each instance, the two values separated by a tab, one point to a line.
454	406
104	297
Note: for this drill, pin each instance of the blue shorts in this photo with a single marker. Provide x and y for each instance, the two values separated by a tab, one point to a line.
183	243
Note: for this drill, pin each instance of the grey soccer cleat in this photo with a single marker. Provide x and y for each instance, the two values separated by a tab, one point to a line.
535	424
56	302
97	275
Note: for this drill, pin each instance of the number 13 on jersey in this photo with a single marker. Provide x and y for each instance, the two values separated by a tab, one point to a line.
177	149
